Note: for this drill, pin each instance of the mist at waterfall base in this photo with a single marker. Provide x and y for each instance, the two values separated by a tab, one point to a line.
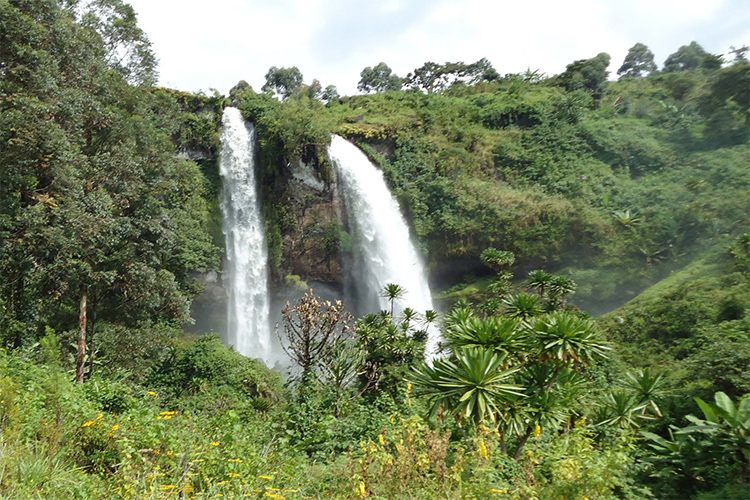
247	261
381	246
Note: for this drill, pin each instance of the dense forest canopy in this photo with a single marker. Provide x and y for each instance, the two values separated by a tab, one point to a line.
536	201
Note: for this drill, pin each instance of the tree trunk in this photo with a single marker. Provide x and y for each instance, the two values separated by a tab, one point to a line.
522	442
81	358
91	336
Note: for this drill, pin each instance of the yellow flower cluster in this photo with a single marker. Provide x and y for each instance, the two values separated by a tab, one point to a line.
92	422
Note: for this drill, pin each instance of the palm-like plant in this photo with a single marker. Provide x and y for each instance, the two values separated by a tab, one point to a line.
501	334
409	315
457	316
621	408
472	387
647	386
626	218
539	280
522	306
559	288
497	259
567	338
392	291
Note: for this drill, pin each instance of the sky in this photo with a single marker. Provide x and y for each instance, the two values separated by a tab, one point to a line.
204	45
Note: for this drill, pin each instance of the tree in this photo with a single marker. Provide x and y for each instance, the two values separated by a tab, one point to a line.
522	305
473	386
432	77
392	292
497	260
501	334
426	77
568	339
283	81
330	94
540	281
638	63
100	221
687	57
315	89
587	74
312	328
128	49
379	79
481	71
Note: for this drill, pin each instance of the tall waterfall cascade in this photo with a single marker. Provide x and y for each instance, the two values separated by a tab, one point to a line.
248	306
383	252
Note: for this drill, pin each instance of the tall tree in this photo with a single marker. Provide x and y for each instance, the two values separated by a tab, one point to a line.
128	49
379	79
100	221
686	58
283	81
638	63
587	74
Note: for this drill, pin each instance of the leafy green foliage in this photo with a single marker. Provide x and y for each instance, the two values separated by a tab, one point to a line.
472	387
379	79
638	63
709	452
283	81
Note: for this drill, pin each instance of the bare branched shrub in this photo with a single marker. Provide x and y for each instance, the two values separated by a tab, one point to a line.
312	328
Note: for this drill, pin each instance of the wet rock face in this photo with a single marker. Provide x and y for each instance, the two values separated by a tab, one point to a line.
311	241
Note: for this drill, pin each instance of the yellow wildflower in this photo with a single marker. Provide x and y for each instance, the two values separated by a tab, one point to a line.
166	413
151	393
167	486
382	441
100	416
500	492
215	443
265	477
238	460
89	423
483	449
233	474
537	431
115	427
222	482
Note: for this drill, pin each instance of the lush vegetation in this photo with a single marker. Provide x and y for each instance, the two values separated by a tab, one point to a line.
545	196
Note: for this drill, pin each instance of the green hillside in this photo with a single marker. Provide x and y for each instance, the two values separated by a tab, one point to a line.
588	241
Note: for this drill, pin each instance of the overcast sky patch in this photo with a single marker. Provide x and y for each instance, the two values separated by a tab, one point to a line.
214	45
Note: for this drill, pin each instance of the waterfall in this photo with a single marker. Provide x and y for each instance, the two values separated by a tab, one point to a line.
248	311
383	252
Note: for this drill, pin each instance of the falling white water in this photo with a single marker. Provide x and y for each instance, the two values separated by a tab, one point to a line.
383	251
248	311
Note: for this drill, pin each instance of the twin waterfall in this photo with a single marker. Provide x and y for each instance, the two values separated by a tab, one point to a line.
248	311
382	249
